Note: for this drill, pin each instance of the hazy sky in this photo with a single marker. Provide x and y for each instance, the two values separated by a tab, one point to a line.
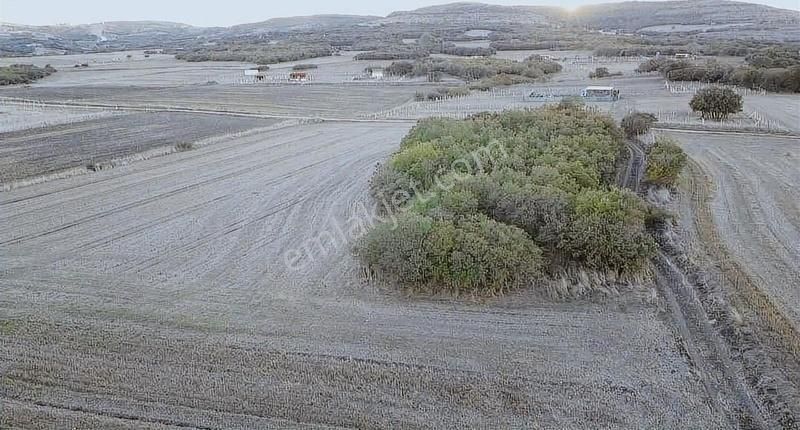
229	12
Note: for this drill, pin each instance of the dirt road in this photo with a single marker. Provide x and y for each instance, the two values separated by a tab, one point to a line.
158	295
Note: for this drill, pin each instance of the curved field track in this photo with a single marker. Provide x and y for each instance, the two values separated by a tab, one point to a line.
158	295
756	206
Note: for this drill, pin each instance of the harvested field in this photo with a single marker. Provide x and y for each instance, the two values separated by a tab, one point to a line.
166	71
45	151
156	295
329	100
755	206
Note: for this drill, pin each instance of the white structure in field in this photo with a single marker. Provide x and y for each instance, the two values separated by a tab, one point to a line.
600	93
376	73
258	75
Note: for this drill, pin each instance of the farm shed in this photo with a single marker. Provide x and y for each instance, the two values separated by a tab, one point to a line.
600	93
299	77
257	74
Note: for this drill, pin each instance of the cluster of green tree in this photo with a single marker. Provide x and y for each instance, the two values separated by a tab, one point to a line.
259	53
774	58
671	45
499	201
23	73
482	73
442	93
771	79
716	102
398	53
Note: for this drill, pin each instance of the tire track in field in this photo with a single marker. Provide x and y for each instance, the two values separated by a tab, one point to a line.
239	224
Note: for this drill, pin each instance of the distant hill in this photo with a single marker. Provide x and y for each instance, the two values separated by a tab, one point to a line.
720	18
637	15
478	15
303	23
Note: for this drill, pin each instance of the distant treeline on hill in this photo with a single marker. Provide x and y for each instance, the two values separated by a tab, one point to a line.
423	46
256	53
772	70
23	73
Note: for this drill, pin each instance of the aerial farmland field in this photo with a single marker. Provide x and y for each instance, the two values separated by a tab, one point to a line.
179	241
190	246
45	151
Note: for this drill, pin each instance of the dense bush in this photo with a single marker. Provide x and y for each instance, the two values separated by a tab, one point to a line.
483	73
442	93
400	68
304	66
637	123
393	54
473	255
716	102
609	230
665	161
777	79
497	200
23	73
259	53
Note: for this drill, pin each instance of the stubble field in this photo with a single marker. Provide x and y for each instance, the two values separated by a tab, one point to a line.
46	151
160	294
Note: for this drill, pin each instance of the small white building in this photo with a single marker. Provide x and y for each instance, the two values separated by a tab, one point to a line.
600	93
682	55
377	73
258	75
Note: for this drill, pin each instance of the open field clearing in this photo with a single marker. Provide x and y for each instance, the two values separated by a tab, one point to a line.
45	151
756	207
157	295
116	69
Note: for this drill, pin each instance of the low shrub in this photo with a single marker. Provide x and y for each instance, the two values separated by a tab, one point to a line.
442	93
665	161
637	123
609	231
304	66
184	146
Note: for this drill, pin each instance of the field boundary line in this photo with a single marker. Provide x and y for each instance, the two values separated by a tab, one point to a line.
178	109
787	135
